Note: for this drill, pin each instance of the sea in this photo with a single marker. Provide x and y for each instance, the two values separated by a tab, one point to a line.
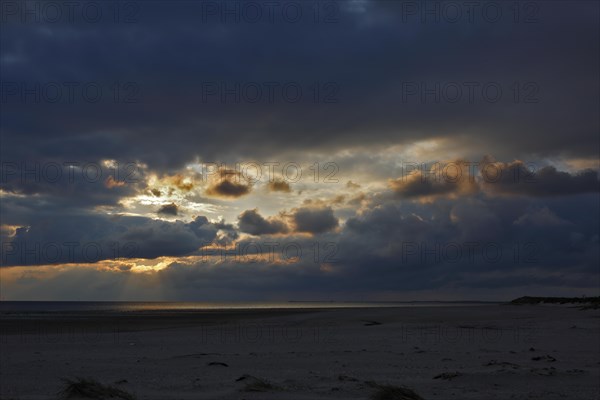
19	307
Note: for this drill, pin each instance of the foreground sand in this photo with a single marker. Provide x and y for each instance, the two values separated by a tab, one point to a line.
477	352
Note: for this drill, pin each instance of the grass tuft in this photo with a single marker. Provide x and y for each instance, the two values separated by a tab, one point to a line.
84	388
389	392
257	385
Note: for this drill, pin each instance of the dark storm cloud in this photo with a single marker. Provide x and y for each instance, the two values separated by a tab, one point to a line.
279	186
168	209
91	238
352	185
227	188
428	245
391	246
79	184
314	220
443	179
517	178
250	221
455	247
376	63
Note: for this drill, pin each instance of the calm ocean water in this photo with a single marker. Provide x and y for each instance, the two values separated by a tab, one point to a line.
118	306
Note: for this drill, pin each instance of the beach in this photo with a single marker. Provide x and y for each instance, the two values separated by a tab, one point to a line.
493	351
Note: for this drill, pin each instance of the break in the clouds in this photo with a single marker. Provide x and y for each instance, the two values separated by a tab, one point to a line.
353	151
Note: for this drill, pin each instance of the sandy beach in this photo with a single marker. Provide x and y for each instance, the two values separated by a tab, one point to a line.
454	352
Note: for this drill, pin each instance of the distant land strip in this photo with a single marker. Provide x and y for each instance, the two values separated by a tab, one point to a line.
587	302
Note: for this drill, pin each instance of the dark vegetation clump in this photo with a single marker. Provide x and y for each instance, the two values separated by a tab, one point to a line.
254	384
84	388
389	392
585	302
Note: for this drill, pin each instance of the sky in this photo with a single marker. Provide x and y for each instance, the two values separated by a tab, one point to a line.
355	150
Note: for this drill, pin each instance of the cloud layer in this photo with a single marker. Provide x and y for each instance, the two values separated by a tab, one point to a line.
378	124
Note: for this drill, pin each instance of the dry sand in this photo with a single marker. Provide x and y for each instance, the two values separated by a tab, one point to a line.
458	352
